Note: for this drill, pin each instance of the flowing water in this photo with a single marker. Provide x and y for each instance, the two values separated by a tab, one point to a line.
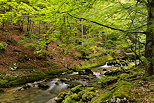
55	86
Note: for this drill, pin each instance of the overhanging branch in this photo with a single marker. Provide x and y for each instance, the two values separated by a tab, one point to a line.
105	25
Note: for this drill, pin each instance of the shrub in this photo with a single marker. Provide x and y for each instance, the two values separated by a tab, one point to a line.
3	45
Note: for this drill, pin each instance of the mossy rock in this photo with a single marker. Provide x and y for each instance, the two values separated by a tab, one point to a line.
102	98
132	75
122	89
81	93
114	72
59	100
75	97
130	55
88	89
63	94
87	96
124	76
76	89
14	81
108	80
85	72
91	64
68	100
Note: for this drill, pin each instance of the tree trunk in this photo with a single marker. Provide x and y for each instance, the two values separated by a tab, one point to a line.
149	49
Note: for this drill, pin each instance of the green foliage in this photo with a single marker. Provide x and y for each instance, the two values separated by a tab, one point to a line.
3	45
38	42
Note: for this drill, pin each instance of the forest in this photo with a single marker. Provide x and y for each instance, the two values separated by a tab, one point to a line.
76	51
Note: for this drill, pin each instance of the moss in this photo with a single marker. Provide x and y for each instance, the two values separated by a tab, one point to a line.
128	77
108	80
14	81
147	78
122	89
114	71
132	75
75	97
59	100
91	64
87	96
62	94
90	89
124	76
102	98
76	89
81	93
69	100
127	67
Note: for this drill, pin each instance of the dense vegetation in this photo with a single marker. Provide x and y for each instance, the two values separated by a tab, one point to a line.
71	35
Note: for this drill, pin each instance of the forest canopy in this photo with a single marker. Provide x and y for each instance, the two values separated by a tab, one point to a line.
93	27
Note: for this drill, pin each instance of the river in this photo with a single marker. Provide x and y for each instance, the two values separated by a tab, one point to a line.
50	88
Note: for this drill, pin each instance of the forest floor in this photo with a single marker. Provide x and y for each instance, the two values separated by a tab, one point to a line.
29	62
25	57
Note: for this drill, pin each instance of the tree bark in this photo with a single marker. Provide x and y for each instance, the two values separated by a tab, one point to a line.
149	48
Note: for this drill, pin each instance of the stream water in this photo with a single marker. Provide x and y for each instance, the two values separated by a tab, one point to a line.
35	94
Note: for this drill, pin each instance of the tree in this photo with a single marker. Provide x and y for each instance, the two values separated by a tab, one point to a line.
149	49
84	24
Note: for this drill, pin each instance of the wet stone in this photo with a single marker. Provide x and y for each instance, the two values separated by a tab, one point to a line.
118	100
85	72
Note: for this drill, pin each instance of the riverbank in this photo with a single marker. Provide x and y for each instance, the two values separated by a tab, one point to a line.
119	85
126	84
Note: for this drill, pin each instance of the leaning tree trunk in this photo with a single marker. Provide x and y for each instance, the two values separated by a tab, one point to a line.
149	49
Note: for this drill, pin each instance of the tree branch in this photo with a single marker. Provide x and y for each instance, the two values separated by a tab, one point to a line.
105	25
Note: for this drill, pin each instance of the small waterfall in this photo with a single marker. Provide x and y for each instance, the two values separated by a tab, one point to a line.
75	73
105	66
56	86
97	74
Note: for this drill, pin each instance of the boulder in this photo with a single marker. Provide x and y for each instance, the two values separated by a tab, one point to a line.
85	72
